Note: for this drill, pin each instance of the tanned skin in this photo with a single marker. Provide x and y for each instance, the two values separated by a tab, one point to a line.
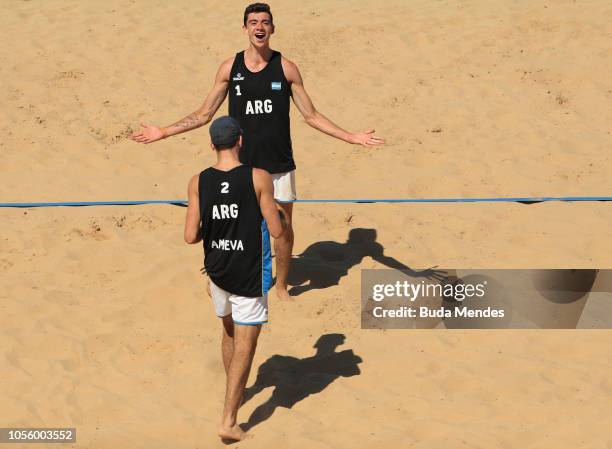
259	28
238	342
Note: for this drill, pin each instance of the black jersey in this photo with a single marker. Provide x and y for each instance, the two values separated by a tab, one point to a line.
237	254
260	103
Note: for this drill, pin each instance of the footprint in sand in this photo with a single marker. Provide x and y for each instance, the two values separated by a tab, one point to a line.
99	134
123	134
64	78
94	231
103	137
119	221
561	100
70	74
5	264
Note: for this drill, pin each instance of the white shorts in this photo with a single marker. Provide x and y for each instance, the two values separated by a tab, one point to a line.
284	186
244	310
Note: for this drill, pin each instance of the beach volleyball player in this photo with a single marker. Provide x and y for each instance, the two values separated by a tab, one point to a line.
231	208
260	82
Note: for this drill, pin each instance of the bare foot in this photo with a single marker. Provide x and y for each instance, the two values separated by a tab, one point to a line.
234	433
283	294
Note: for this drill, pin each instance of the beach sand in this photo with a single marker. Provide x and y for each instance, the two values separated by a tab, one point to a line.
104	321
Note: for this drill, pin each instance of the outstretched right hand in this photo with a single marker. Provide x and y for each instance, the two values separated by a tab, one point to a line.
148	134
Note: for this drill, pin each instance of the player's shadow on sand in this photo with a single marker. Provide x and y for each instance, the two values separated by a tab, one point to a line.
322	264
295	379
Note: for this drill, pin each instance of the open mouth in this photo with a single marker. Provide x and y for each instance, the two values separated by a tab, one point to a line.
260	36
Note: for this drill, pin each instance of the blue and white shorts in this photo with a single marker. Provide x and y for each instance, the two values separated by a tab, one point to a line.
284	186
244	310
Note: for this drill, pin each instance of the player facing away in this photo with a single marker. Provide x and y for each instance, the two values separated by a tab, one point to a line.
232	210
260	82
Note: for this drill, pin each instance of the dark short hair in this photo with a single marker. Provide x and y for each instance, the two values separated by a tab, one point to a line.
257	7
226	146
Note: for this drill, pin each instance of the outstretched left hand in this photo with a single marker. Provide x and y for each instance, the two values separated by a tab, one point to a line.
367	139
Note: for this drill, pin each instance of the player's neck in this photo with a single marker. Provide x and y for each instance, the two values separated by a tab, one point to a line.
227	159
258	55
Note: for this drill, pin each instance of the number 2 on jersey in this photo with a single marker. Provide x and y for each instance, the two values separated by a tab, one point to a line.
225	187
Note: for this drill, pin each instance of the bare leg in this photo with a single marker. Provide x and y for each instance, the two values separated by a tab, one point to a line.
227	342
245	343
283	247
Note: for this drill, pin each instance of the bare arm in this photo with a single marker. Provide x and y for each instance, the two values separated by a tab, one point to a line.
317	120
269	208
193	228
214	99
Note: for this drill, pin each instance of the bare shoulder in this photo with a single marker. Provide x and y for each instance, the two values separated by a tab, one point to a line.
261	179
194	183
286	62
260	174
290	68
228	62
226	67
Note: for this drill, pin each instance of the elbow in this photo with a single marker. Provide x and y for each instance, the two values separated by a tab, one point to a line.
311	118
276	233
279	226
278	230
192	238
204	116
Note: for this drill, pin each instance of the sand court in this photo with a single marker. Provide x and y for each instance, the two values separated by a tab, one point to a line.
104	320
124	343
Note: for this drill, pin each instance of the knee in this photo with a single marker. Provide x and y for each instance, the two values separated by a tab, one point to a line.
244	348
287	235
245	343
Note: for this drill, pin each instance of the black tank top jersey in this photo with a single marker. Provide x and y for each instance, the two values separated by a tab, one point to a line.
237	254
260	103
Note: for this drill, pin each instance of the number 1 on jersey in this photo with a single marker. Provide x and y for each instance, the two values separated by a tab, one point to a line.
238	90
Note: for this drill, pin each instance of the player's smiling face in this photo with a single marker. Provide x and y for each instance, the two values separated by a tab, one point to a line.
259	28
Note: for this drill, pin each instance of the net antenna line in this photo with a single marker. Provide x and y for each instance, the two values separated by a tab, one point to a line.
522	200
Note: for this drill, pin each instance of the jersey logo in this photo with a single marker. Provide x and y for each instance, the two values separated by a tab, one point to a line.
227	245
276	85
238	77
224	211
